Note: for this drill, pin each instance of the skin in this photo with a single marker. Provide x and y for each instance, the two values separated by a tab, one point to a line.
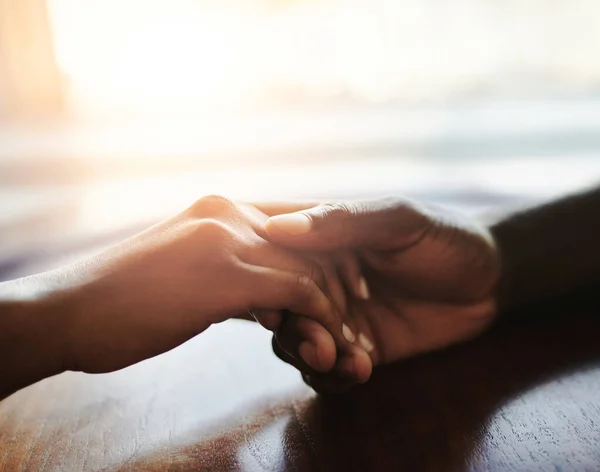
431	277
155	291
437	278
434	279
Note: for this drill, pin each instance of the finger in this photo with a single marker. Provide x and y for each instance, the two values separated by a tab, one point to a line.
350	370
266	254
248	316
305	339
256	218
327	384
278	208
335	286
284	356
349	270
321	271
355	365
380	224
268	319
259	213
321	268
338	294
274	289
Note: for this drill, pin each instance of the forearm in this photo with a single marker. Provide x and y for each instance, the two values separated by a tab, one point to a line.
30	337
548	251
36	314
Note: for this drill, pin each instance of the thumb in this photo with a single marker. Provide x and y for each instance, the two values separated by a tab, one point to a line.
378	224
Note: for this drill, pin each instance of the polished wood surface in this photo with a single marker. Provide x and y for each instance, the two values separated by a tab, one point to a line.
525	396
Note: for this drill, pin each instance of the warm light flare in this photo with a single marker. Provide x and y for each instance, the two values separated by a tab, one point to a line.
190	55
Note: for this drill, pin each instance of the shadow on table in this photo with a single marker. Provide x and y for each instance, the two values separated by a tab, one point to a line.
424	414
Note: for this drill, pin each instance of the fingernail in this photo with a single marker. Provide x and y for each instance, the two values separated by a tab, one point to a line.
348	334
363	289
293	223
308	353
365	343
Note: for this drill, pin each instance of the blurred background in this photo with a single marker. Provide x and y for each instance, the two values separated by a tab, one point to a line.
114	113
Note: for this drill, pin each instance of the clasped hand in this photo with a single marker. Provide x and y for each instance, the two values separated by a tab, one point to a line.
343	287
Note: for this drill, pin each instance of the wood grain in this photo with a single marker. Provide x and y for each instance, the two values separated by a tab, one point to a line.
524	397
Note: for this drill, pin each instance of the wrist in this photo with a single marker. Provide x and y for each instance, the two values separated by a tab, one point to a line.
47	336
30	344
56	317
504	290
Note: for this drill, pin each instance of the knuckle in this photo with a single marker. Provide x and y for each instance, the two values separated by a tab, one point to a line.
314	273
212	230
211	205
339	209
409	220
309	299
413	210
391	203
253	249
304	287
334	216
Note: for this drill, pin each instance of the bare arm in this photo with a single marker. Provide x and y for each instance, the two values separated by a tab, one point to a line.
550	250
151	293
437	278
32	330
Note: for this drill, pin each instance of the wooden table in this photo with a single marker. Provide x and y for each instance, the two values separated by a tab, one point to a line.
525	396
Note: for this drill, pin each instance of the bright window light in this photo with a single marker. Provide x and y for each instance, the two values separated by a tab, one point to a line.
189	55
